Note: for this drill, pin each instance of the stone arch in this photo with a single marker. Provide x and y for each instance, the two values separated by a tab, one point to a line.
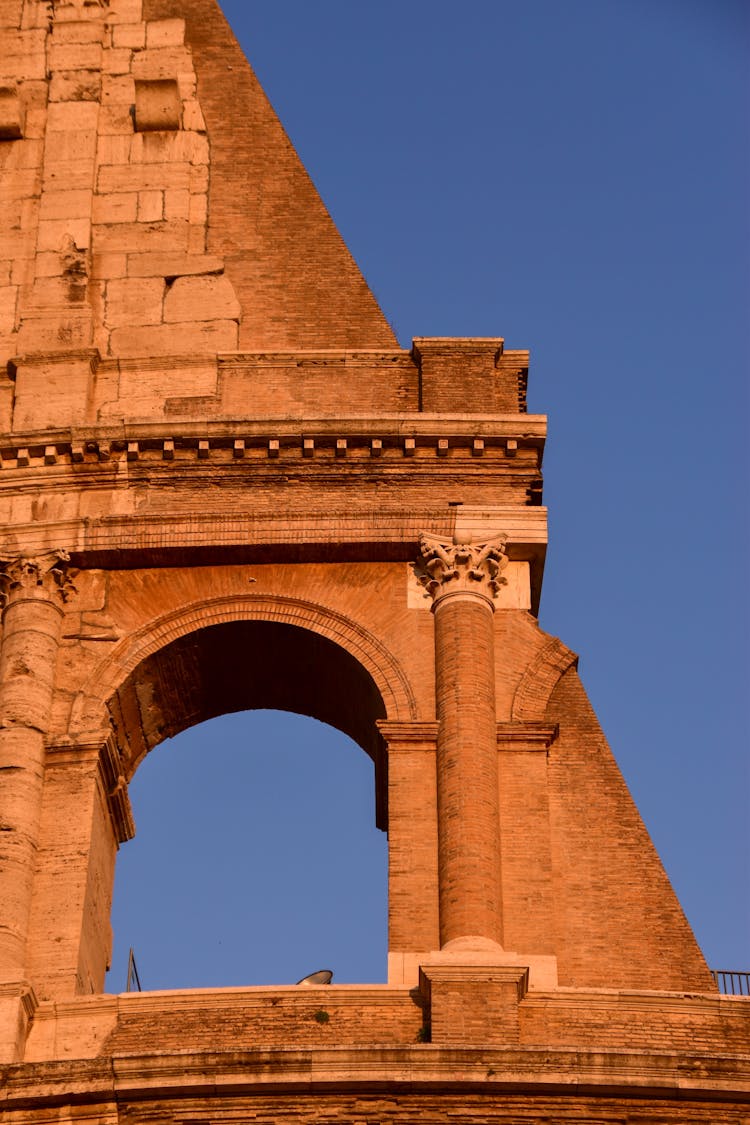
356	658
540	678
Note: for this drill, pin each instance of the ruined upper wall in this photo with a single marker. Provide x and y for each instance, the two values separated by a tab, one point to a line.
153	202
157	218
297	282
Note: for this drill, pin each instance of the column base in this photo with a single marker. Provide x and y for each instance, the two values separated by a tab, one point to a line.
472	1004
404	968
18	1003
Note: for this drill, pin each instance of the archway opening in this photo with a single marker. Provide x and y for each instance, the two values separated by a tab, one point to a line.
256	852
256	859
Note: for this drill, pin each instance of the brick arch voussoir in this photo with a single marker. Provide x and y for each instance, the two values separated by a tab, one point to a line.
389	677
540	679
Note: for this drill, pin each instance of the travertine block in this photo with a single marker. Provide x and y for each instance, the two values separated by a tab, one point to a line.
34	122
48	264
11	112
117	61
53	390
24	54
162	148
122	207
47	292
197	239
69	116
126	11
77	146
128	238
188	86
18	244
150	206
8	295
129	35
193	298
162	62
108	265
70	173
77	31
198	212
172	265
143	177
205	338
118	89
192	117
75	56
75	86
23	267
23	154
65	204
165	33
177	204
41	334
115	120
114	149
52	233
199	178
20	182
136	302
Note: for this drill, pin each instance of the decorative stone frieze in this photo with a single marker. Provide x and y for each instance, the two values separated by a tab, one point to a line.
47	574
459	565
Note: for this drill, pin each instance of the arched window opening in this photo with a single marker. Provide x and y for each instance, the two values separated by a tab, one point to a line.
256	858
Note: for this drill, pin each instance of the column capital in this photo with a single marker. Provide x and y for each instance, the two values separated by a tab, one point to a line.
45	576
459	566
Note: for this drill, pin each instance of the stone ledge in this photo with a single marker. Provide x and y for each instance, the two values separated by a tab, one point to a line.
650	1077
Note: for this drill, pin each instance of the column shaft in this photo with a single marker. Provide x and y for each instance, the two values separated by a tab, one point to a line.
467	778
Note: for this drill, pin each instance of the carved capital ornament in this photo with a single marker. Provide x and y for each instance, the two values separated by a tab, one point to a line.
460	566
46	575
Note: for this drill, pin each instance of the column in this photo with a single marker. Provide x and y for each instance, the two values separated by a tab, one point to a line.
33	592
463	579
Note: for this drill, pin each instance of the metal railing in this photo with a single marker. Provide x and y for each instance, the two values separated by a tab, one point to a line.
731	983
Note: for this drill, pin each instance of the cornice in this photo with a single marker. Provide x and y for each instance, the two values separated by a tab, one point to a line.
402	435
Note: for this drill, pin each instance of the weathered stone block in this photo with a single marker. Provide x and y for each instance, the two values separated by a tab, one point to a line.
168	264
158	105
135	237
121	207
143	177
75	56
75	86
8	295
177	204
131	35
117	61
198	298
65	204
11	113
76	146
137	302
118	89
53	232
181	338
165	33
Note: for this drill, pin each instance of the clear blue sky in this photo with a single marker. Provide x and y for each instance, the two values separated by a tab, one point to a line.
573	176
